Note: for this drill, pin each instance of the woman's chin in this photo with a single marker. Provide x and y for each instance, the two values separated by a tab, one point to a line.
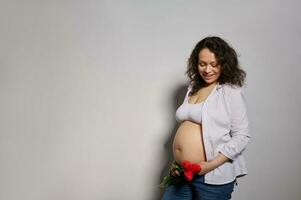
208	82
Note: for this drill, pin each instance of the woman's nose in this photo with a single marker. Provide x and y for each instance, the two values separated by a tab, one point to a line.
207	69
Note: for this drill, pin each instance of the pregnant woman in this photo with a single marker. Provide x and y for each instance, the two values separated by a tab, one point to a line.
214	127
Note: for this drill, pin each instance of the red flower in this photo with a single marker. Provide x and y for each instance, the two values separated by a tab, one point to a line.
190	169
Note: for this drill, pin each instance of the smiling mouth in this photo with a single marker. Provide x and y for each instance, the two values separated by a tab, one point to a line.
208	76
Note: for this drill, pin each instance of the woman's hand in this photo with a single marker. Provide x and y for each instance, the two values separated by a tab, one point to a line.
173	170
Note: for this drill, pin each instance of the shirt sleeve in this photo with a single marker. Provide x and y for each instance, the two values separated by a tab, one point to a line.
239	125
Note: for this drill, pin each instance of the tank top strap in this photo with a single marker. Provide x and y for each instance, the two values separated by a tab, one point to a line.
188	90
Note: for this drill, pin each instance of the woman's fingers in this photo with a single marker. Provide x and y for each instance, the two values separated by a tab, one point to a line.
175	173
173	170
171	173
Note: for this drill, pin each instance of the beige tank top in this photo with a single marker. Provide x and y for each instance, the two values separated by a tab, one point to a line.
188	111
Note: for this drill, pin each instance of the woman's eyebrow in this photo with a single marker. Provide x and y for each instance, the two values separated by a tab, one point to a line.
206	62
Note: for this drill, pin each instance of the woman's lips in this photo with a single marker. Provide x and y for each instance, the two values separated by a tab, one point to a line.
208	77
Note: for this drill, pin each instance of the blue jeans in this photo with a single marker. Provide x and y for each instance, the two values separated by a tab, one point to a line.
198	190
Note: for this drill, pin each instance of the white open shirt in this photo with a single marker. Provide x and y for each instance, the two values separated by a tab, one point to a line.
225	127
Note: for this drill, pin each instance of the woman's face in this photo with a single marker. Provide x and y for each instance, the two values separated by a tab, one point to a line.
208	67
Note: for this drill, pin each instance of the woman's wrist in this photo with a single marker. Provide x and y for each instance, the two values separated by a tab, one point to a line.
217	161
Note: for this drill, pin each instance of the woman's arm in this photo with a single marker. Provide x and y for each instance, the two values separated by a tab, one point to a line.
239	125
239	133
207	166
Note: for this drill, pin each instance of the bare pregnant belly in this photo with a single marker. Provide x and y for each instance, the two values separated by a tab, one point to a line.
188	143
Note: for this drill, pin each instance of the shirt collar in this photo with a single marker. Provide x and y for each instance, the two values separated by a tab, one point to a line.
218	86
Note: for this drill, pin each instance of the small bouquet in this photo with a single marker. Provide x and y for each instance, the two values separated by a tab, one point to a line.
186	169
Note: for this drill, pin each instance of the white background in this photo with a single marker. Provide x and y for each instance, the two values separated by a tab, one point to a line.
89	90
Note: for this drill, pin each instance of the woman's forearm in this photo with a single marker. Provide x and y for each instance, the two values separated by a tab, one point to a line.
219	160
207	166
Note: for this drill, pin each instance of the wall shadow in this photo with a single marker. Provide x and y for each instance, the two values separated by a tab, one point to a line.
177	99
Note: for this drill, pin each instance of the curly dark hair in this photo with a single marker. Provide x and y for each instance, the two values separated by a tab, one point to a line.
226	57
